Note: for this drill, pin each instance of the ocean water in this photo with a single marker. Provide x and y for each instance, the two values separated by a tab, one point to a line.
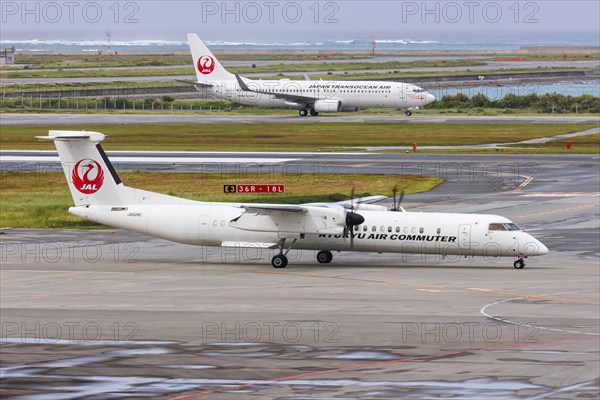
350	44
567	88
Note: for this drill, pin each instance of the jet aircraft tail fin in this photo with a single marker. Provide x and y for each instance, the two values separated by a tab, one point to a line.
91	177
208	69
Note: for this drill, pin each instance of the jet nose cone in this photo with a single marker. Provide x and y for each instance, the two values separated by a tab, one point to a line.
429	98
542	249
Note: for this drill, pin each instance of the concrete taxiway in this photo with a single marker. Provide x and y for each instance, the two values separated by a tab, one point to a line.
206	118
111	313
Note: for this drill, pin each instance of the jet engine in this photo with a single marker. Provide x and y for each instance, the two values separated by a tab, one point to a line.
327	105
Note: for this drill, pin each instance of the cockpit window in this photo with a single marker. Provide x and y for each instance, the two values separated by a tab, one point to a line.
497	227
418	90
512	227
503	227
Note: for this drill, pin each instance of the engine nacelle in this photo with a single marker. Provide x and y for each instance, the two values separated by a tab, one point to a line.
327	106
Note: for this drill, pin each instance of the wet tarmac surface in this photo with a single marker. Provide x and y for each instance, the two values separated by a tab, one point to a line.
110	314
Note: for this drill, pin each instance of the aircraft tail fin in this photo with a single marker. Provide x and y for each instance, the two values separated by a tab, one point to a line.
208	68
91	177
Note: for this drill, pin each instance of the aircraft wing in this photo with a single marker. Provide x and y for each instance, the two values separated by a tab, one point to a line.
348	203
361	200
290	220
272	208
284	96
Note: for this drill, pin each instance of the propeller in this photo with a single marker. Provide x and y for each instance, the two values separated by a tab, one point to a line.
397	204
352	219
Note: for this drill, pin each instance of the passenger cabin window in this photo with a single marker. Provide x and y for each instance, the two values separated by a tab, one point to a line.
389	228
364	228
421	230
397	229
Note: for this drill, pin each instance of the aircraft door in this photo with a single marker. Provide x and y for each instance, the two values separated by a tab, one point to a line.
403	96
464	236
204	227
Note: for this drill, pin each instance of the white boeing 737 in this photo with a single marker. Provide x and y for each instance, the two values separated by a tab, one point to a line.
306	96
357	225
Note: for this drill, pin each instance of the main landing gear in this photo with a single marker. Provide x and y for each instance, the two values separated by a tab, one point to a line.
324	256
519	264
280	260
304	112
409	111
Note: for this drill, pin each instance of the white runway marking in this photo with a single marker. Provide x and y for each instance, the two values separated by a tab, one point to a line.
161	160
558	194
484	313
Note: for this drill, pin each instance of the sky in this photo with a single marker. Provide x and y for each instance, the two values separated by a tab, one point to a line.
277	21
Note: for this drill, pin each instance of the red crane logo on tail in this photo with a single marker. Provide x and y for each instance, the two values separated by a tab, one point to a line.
206	65
88	176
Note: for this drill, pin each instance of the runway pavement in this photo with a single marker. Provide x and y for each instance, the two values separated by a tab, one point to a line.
86	314
28	119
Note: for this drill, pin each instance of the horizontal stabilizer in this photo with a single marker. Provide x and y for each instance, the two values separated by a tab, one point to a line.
73	135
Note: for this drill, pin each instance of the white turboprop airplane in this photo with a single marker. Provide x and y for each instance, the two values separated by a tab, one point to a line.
100	196
306	96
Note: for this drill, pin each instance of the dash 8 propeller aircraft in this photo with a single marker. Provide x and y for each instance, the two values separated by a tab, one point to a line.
306	96
357	225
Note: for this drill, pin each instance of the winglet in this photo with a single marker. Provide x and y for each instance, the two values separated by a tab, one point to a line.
242	84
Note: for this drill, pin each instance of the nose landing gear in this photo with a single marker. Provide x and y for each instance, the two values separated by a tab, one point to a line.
519	264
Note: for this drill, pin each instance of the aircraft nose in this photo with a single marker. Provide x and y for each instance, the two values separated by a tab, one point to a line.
542	249
535	247
429	98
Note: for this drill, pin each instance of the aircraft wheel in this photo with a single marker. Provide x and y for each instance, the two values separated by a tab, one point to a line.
519	264
303	112
279	261
313	113
324	257
408	113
